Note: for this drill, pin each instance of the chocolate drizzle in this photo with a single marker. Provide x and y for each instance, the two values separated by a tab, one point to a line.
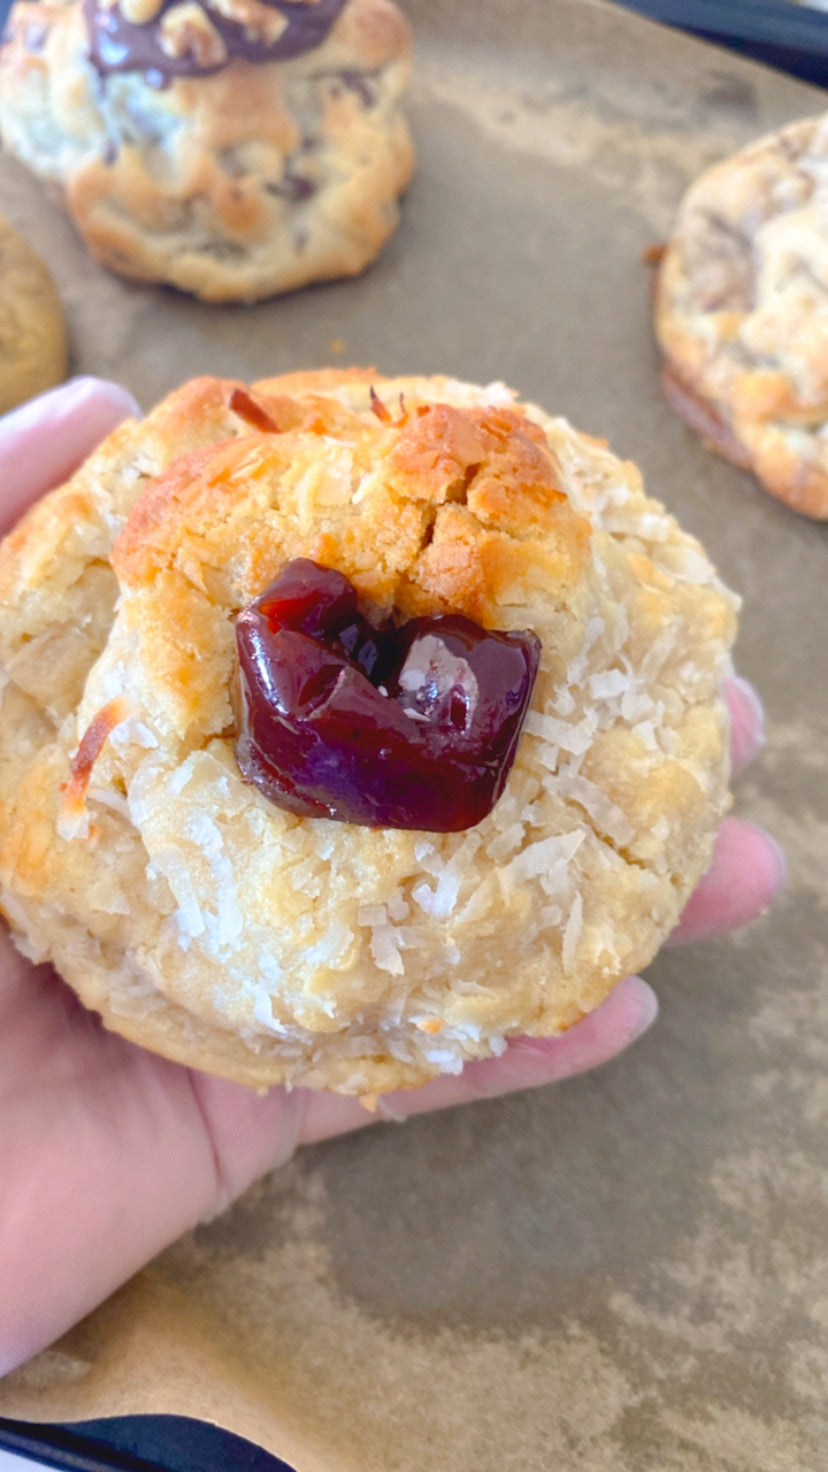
117	45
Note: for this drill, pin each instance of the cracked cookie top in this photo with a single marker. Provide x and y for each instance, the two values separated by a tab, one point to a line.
204	921
742	311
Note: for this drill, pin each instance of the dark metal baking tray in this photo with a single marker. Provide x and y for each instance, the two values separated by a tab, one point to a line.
137	1444
790	37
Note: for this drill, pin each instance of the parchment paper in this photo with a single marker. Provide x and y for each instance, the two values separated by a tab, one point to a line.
628	1272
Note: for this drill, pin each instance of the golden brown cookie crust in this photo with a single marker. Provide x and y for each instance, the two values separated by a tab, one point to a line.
742	312
32	330
204	922
253	180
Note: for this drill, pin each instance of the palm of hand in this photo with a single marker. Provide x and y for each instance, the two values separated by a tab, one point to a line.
108	1152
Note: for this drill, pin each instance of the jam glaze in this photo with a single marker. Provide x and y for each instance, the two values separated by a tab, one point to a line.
119	45
412	725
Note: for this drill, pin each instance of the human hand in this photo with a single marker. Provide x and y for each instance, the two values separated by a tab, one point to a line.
107	1152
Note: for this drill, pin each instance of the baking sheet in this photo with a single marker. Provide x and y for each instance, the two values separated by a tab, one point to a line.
627	1272
781	33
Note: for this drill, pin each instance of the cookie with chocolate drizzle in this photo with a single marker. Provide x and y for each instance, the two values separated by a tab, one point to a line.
232	148
742	312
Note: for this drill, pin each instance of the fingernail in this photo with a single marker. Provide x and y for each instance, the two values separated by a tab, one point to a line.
645	1008
103	389
65	399
756	731
777	853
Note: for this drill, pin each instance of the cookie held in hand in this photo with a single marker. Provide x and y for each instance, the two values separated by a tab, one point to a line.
205	630
32	330
234	149
742	312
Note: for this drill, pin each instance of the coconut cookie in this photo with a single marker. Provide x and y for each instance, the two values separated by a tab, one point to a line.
742	312
32	331
236	644
232	148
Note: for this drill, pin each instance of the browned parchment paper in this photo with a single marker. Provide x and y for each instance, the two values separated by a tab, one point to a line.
629	1272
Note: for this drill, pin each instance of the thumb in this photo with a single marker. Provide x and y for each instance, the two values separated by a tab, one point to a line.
45	440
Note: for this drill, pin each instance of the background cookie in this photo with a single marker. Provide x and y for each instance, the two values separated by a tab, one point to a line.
234	150
207	923
32	332
742	312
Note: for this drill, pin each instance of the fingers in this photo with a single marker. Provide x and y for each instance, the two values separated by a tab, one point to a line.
748	866
747	722
45	440
527	1063
747	871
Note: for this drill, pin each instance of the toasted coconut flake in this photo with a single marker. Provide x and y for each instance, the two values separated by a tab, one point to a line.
430	1024
243	404
379	408
72	818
